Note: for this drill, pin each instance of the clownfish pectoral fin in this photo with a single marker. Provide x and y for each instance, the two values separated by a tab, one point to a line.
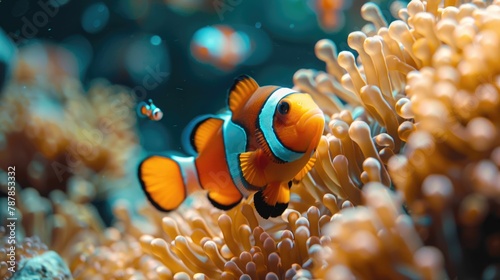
162	181
273	200
241	90
199	131
223	202
251	167
309	165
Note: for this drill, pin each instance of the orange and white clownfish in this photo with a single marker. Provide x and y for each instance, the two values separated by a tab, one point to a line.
263	143
149	110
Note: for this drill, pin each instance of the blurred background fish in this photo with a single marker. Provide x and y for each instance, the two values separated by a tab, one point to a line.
221	46
149	110
330	13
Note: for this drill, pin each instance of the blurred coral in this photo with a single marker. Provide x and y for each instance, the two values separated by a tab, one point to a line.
25	249
52	130
60	221
44	63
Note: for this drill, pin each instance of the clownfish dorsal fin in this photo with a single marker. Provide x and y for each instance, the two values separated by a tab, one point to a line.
241	90
264	146
205	131
201	131
309	165
251	164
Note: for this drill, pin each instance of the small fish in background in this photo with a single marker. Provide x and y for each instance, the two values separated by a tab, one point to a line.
221	46
264	142
149	110
330	14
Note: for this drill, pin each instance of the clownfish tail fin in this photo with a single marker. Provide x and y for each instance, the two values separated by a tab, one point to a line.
165	180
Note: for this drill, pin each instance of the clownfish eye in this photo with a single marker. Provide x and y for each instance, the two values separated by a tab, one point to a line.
283	107
157	114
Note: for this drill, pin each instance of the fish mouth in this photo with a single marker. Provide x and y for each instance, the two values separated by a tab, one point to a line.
311	119
312	125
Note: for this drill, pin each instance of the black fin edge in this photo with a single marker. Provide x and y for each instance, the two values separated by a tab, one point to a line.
143	186
187	136
265	210
221	206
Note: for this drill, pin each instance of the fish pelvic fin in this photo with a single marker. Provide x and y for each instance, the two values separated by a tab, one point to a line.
163	180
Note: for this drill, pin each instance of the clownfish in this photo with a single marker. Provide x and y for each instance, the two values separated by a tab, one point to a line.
330	14
149	110
264	142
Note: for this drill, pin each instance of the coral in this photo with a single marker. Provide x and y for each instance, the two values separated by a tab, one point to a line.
61	221
50	134
48	265
44	63
25	249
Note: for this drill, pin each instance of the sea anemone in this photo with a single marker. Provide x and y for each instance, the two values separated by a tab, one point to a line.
369	116
204	242
375	241
61	221
425	90
453	157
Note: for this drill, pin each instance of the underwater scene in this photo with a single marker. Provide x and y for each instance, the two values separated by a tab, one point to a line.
249	139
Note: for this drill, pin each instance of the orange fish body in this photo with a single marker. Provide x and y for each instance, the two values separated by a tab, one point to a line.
260	146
